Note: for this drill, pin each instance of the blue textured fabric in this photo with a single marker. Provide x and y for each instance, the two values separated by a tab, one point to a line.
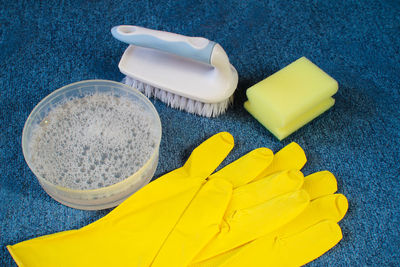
45	45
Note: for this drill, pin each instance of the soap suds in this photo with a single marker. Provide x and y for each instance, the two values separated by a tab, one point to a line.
93	142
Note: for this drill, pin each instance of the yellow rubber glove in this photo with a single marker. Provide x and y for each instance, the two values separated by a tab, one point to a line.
255	209
305	238
133	232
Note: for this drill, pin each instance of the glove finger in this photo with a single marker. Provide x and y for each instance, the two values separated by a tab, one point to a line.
248	224
197	226
290	157
218	260
320	184
294	250
332	207
246	168
311	243
260	191
208	155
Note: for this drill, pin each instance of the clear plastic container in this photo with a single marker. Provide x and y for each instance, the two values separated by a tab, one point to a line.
102	197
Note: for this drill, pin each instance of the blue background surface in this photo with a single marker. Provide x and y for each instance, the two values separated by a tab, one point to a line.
44	46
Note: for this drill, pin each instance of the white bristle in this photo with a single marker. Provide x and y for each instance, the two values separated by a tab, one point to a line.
147	90
175	100
180	102
190	106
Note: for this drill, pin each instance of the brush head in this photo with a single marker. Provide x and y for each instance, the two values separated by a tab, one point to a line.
181	102
188	73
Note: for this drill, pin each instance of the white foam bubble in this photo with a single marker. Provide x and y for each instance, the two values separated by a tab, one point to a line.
92	142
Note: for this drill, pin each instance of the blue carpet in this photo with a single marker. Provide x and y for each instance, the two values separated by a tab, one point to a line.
45	45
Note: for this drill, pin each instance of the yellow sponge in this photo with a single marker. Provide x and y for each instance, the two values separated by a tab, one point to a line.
291	97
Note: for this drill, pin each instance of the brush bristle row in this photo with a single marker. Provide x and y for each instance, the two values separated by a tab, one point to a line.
181	102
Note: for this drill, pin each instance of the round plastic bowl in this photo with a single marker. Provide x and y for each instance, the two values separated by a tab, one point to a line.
101	197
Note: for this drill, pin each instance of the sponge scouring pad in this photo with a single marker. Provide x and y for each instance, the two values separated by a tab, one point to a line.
291	97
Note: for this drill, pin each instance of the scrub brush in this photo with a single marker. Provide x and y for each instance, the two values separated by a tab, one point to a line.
187	73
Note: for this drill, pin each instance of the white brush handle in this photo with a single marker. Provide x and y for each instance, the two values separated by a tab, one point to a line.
196	48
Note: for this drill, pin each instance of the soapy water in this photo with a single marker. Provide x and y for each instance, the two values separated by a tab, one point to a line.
93	142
